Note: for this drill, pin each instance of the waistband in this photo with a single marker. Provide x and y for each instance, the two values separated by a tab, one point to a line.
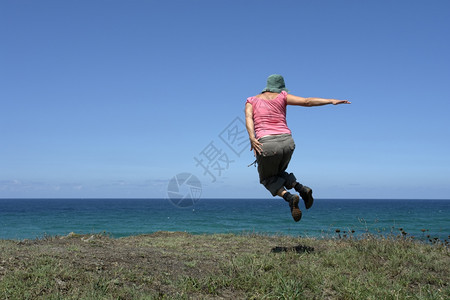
275	137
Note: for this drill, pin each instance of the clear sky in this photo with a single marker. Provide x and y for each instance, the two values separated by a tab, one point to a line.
115	98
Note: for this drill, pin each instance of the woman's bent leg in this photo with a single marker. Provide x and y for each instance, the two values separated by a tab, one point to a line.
268	173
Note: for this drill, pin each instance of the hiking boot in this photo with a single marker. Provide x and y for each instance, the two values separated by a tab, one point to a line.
306	194
293	204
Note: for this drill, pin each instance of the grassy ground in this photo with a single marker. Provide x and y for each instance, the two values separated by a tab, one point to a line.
168	265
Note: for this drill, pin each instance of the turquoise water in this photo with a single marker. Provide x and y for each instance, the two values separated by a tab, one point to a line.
35	218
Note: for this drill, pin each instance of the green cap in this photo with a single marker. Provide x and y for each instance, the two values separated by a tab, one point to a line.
275	84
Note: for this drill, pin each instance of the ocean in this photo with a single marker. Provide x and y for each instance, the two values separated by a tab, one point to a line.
37	218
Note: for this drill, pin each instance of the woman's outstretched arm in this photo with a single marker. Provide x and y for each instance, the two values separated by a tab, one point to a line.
312	101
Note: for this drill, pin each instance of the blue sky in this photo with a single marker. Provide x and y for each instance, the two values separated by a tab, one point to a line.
115	98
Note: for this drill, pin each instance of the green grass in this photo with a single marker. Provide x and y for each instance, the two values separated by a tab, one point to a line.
168	265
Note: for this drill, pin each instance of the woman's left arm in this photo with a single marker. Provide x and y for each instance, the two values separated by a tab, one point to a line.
312	101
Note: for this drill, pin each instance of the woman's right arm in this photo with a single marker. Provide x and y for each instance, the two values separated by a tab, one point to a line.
254	143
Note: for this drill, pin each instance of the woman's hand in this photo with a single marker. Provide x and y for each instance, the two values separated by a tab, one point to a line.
255	145
336	102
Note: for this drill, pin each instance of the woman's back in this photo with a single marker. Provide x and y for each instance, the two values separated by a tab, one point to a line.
267	96
269	113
